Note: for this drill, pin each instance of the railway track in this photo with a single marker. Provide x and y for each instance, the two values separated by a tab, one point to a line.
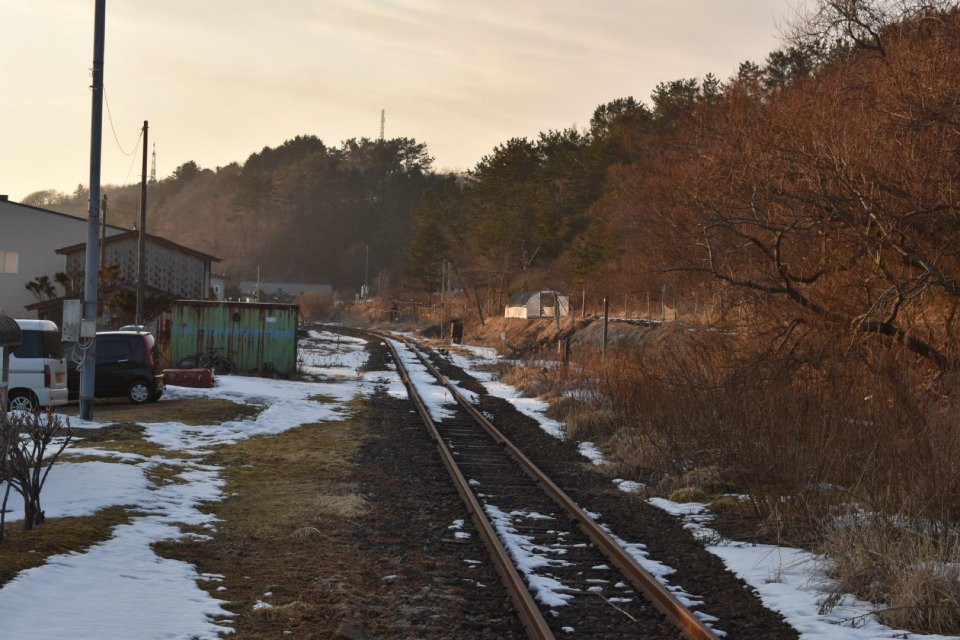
564	572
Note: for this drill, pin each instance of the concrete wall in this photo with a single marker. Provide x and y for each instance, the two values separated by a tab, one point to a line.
516	312
36	234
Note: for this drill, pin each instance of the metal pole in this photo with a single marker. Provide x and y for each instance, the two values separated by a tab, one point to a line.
366	276
142	236
4	380
606	323
88	368
443	298
103	231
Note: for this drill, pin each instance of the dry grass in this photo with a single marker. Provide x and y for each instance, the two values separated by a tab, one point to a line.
913	570
287	520
25	549
699	415
534	380
123	437
292	611
191	411
587	422
689	494
307	535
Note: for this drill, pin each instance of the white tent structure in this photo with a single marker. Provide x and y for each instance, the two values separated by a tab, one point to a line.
537	304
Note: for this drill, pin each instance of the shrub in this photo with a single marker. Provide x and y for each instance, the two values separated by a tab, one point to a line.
24	442
913	567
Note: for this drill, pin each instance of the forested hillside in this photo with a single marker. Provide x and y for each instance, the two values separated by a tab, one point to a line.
812	194
302	211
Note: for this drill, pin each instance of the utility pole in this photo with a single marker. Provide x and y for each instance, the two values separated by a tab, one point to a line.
365	289
606	324
443	299
103	231
383	122
88	367
142	236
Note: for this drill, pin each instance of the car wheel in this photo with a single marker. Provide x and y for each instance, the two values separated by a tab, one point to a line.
139	392
22	401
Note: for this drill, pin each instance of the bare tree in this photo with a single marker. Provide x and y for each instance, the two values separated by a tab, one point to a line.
27	439
860	24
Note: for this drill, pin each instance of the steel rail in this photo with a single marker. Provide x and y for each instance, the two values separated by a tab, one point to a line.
530	615
691	626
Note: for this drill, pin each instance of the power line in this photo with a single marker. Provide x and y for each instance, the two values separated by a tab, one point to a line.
116	139
133	159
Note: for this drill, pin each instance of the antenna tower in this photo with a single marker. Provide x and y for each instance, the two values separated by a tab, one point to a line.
153	164
383	122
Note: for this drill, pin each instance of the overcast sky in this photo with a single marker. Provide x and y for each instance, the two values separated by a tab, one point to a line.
220	79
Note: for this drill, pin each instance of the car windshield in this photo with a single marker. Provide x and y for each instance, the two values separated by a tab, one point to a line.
40	344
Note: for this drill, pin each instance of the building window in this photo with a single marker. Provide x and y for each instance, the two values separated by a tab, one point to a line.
9	261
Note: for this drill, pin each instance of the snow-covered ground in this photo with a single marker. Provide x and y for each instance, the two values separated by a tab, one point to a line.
790	581
332	354
120	589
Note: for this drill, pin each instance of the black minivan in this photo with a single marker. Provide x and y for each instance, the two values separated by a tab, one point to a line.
128	364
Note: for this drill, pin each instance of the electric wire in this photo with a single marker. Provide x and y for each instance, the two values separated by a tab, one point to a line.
133	159
115	138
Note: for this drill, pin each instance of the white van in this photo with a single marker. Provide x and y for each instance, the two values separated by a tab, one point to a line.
38	371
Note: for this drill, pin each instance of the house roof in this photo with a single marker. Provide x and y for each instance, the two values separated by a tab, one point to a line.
55	213
75	248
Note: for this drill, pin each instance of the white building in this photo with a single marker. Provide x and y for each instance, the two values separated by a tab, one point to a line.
537	304
29	239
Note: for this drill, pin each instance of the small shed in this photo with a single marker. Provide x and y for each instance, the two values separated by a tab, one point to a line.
10	339
257	337
545	303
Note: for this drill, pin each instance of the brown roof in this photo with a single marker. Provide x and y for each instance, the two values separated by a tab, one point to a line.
75	248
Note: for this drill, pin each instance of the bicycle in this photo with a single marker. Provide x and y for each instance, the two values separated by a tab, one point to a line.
221	365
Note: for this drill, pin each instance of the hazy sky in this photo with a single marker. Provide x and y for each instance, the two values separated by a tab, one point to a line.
220	79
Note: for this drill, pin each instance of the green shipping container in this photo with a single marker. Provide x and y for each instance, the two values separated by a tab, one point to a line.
258	337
